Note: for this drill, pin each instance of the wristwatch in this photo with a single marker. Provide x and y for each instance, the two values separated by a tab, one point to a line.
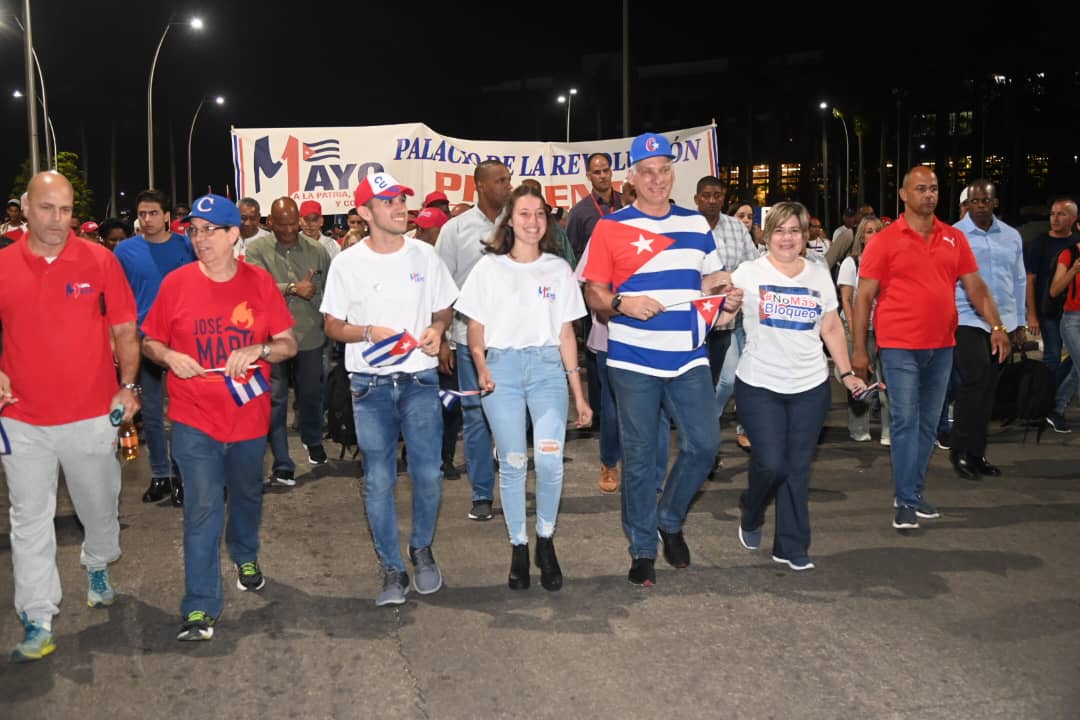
265	351
849	373
1002	328
615	303
133	387
290	289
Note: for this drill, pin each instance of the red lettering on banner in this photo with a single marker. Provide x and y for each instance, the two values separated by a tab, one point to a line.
579	192
558	195
447	182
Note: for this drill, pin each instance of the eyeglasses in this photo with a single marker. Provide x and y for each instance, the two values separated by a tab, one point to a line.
194	231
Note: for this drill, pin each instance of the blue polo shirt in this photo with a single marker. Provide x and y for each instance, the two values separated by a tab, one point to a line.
146	264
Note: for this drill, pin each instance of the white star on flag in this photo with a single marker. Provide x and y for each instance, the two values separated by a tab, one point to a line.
707	307
643	244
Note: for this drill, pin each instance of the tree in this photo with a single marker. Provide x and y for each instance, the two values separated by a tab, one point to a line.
67	164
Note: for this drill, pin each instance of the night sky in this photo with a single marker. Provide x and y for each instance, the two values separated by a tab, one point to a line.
365	63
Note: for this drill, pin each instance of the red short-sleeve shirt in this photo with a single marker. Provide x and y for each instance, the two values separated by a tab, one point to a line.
57	342
916	302
208	320
1072	292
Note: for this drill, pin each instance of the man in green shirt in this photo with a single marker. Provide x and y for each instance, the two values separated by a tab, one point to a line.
299	266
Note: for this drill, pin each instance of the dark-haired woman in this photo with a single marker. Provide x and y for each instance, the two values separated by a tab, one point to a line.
521	299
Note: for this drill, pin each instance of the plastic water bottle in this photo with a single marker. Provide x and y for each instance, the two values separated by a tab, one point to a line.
129	442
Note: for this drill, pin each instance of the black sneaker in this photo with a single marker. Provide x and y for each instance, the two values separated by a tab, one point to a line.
249	576
1058	423
943	441
642	572
675	550
197	626
316	455
449	471
481	510
906	518
281	477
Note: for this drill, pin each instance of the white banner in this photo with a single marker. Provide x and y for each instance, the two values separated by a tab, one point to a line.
326	164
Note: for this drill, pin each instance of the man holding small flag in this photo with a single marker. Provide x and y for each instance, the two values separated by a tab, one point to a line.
216	325
387	297
647	264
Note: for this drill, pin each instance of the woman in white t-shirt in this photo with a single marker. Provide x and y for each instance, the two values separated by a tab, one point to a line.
782	381
521	299
847	281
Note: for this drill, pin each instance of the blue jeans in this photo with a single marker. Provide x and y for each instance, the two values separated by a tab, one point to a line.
307	366
532	379
688	399
784	431
385	406
916	380
152	380
208	468
1070	337
610	451
725	386
476	434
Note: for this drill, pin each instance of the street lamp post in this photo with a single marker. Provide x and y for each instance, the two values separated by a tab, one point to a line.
194	24
825	160
219	100
566	99
50	131
847	158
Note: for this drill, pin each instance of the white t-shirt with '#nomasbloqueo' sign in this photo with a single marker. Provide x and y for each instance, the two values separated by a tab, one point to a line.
782	320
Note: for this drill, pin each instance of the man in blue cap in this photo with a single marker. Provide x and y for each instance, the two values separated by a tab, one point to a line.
646	264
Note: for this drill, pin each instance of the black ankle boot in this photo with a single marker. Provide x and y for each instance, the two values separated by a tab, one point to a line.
158	490
177	492
519	568
550	572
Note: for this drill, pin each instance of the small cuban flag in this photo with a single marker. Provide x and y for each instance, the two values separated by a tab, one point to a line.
5	444
449	398
705	311
244	391
394	350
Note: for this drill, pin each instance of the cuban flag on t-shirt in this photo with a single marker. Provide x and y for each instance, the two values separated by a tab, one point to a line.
706	310
244	391
394	350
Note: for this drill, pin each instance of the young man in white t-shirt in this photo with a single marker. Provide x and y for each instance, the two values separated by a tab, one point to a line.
376	289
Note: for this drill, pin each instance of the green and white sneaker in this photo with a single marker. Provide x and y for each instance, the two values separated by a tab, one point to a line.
100	592
197	626
249	576
37	642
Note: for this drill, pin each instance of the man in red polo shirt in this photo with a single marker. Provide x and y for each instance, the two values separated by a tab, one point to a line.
911	268
58	387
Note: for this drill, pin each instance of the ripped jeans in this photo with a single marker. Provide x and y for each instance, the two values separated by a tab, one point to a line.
532	379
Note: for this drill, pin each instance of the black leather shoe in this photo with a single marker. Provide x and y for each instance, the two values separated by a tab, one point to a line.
983	466
158	490
177	492
642	572
963	465
675	550
550	572
519	568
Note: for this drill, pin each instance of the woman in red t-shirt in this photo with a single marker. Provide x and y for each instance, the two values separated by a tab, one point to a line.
1066	281
215	325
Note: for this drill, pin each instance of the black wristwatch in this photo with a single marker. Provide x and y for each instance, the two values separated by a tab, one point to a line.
615	303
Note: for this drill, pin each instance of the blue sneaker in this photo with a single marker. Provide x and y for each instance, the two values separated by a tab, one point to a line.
37	642
923	509
100	592
801	562
905	519
750	539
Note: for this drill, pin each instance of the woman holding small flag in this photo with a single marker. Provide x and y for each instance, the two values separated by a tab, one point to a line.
782	380
521	300
215	325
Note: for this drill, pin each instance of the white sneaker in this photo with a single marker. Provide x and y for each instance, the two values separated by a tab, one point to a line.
861	437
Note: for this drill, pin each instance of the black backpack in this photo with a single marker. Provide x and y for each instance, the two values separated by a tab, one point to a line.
340	423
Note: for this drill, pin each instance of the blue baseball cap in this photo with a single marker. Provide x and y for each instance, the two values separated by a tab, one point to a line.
650	145
216	210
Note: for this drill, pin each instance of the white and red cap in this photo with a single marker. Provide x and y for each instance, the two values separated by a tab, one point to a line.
310	207
380	185
88	227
